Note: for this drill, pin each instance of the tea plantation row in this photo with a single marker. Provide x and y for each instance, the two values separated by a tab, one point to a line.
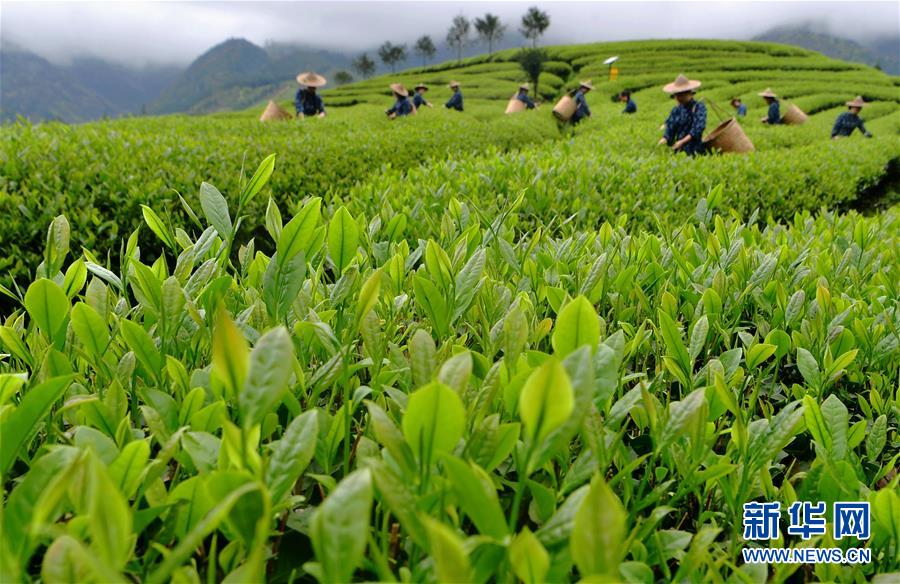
488	403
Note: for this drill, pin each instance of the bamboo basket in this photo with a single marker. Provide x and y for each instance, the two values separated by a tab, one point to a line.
515	105
565	108
729	137
794	116
274	112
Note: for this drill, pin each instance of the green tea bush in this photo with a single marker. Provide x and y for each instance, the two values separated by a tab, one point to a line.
489	401
101	173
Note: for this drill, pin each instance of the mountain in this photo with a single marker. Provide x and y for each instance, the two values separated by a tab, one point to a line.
39	90
237	73
85	89
128	88
883	52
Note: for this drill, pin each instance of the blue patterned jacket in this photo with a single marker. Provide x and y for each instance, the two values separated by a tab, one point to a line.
684	120
308	104
846	123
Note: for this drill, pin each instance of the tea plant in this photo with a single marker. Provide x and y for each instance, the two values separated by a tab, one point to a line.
494	401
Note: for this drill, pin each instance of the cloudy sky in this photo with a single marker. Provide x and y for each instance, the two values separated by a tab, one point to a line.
177	32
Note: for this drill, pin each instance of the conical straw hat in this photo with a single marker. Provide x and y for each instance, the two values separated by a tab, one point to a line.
585	83
525	86
274	112
681	84
768	93
857	102
399	89
454	84
310	79
422	86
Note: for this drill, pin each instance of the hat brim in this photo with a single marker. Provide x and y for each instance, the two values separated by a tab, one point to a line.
425	87
317	81
767	94
674	89
399	89
855	103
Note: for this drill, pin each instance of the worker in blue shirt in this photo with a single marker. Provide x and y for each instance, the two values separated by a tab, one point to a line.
402	105
581	107
630	106
307	101
419	98
850	120
523	96
456	100
738	105
774	115
687	121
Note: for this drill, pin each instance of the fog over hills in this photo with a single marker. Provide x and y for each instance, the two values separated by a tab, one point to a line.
237	73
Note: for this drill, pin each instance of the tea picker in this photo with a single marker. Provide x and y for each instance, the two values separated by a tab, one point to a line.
520	101
574	108
774	115
850	120
419	98
402	106
456	100
307	101
687	121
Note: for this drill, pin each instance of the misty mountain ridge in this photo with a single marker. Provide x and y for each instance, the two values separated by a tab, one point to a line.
83	90
881	52
237	73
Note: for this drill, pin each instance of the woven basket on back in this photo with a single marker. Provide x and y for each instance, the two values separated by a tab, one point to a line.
794	116
729	137
565	108
515	106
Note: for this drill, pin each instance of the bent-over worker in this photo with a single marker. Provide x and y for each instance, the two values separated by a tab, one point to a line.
774	115
630	106
687	121
739	106
307	101
581	107
402	105
850	120
419	98
456	100
523	96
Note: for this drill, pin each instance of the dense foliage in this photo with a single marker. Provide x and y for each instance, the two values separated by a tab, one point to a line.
490	401
101	173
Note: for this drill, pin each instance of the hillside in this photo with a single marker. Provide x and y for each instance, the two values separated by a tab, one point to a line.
36	89
85	89
237	73
883	52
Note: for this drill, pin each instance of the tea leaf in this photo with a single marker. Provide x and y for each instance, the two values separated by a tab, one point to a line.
47	304
292	454
598	552
529	560
215	208
19	425
343	238
576	325
268	372
433	421
339	527
547	400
